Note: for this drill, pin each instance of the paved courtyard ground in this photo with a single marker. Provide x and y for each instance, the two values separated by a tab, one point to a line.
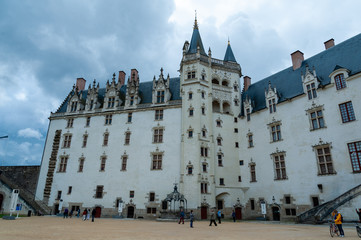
56	228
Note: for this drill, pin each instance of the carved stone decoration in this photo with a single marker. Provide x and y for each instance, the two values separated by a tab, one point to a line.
161	93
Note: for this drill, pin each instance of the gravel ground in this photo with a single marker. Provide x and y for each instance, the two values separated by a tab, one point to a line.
54	228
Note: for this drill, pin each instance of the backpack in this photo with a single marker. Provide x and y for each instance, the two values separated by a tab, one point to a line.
341	218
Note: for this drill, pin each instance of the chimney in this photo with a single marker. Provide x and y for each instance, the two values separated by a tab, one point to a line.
297	58
80	83
246	82
121	78
134	75
329	43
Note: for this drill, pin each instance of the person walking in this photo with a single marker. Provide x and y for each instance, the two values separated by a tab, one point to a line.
85	212
93	214
88	214
191	217
338	222
219	216
181	218
359	214
212	218
234	216
66	213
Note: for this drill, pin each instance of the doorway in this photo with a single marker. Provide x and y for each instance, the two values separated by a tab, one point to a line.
1	201
130	213
56	209
98	212
276	213
238	211
204	212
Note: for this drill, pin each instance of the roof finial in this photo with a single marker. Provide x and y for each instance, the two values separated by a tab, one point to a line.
195	21
229	43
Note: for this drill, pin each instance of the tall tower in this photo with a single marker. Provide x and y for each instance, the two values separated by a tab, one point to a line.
210	104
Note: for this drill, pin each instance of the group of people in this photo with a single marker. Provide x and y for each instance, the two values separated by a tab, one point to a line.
86	213
212	217
338	220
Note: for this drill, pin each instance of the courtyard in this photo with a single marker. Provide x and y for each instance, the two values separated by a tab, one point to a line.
49	227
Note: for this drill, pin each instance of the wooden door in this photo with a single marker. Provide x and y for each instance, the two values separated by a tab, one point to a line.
98	212
130	213
238	211
276	213
204	212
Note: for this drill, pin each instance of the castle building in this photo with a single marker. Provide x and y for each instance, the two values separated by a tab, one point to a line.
276	148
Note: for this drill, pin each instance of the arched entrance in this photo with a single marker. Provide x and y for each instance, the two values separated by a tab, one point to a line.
1	201
130	213
98	212
276	213
204	212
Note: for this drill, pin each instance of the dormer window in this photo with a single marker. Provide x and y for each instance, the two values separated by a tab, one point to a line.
311	90
131	100
340	81
91	104
111	102
74	105
272	105
160	96
248	114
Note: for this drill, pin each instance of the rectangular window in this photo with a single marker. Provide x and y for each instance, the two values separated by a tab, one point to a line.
158	135
105	140
129	120
124	163
111	102
67	141
250	140
204	152
191	75
87	122
190	96
127	138
108	119
291	211
99	192
74	105
131	100
276	133
280	167
70	123
70	188
287	199
220	162
252	204
81	164
151	197
248	113
221	181
236	144
131	194
347	112
159	114
151	210
354	150
235	119
63	164
190	170
241	162
340	81
203	111
85	140
160	96
324	160
204	188
253	172
203	93
157	162
102	163
204	167
239	179
311	91
317	119
191	112
190	133
218	122
236	130
58	197
91	105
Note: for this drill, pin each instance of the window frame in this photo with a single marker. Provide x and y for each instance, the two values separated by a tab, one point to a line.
355	156
340	81
347	112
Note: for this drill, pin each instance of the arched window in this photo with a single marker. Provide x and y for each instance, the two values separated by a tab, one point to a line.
226	108
215	81
216	106
225	83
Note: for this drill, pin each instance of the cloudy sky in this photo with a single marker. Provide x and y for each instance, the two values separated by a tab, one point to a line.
45	45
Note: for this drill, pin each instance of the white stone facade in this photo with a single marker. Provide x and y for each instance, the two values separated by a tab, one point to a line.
213	138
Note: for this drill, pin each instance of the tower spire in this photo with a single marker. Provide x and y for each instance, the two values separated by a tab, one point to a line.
195	20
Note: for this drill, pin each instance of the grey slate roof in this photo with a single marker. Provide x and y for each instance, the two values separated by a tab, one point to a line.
195	42
229	57
289	83
145	92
